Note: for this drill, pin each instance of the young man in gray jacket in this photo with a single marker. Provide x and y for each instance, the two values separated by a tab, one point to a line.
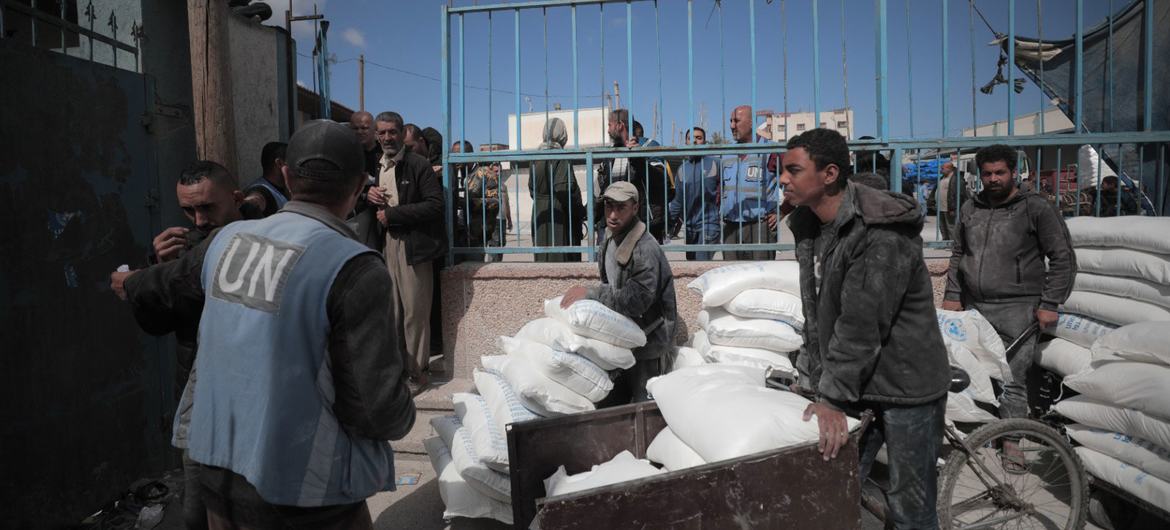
998	267
637	282
871	337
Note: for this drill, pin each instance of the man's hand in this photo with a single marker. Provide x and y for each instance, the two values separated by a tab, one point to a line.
1047	319
574	294
381	214
169	244
834	429
771	218
118	283
952	305
375	196
631	142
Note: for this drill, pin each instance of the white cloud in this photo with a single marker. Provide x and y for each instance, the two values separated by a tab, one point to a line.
355	37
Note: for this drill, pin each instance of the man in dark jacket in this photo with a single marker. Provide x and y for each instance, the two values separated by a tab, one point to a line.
654	188
637	282
997	267
871	338
408	201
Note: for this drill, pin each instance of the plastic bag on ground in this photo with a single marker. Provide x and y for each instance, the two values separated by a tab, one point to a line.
726	329
719	286
1134	451
560	337
1147	342
754	357
622	468
480	477
460	499
573	371
490	443
592	319
768	304
674	454
725	412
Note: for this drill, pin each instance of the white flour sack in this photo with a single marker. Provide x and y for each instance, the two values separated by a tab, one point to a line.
668	450
1142	387
754	357
1079	329
1124	262
962	408
1149	457
1144	341
622	468
538	393
980	388
726	329
687	357
768	304
1113	309
1062	357
487	482
571	370
725	412
490	443
972	331
1129	478
1116	419
719	286
504	405
1141	290
460	499
558	336
1151	234
592	319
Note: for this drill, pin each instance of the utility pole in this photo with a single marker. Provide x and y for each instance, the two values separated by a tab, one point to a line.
289	18
211	82
362	82
617	96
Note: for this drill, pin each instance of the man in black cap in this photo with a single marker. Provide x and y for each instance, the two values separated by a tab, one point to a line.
637	282
300	378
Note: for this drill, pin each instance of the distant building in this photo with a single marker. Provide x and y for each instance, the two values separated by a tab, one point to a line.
591	124
1055	121
773	126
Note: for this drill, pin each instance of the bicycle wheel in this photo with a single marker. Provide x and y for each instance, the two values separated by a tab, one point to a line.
977	491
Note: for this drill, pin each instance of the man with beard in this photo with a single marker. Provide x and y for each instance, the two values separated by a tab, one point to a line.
646	175
997	267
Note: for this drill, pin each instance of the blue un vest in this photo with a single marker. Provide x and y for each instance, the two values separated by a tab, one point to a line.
263	400
750	191
262	182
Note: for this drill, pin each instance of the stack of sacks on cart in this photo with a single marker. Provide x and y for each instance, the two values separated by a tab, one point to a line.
1123	277
752	316
974	345
1122	414
553	366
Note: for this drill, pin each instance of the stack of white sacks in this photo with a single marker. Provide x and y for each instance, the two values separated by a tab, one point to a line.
752	316
1123	277
1123	410
553	366
973	345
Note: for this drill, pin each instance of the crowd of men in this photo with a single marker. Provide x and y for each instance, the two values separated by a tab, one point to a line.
303	301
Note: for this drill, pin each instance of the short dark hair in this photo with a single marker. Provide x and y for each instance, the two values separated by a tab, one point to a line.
620	115
996	153
465	146
269	154
638	130
825	146
206	169
696	128
391	117
321	191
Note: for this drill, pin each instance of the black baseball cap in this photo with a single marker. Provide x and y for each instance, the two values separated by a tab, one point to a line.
328	141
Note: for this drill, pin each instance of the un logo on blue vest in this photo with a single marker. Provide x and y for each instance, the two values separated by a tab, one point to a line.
253	271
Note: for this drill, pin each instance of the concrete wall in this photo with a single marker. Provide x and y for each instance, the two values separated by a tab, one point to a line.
259	91
484	301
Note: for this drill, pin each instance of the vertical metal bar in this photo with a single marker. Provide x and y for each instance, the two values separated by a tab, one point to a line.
784	49
1078	67
971	47
1163	179
1011	68
1148	119
1098	179
61	14
489	69
1040	38
630	68
1109	66
445	44
752	40
462	92
816	49
1059	176
519	146
883	103
946	74
589	206
722	76
895	170
604	119
576	105
1039	164
1120	171
691	69
909	72
658	47
32	22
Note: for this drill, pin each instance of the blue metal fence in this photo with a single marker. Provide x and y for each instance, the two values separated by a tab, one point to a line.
1145	174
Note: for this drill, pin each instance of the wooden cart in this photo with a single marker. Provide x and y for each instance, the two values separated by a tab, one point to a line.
785	488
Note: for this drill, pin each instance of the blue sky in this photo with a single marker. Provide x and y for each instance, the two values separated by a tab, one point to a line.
401	43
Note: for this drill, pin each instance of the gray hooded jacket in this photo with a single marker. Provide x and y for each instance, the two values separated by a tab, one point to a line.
871	331
643	290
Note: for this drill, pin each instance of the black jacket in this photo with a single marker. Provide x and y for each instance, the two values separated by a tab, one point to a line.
999	252
871	331
643	290
418	218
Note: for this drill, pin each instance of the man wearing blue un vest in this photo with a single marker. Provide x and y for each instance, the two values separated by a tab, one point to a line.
749	196
300	370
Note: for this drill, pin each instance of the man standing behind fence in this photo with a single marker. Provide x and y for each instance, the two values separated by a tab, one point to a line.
409	202
696	204
750	195
647	177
